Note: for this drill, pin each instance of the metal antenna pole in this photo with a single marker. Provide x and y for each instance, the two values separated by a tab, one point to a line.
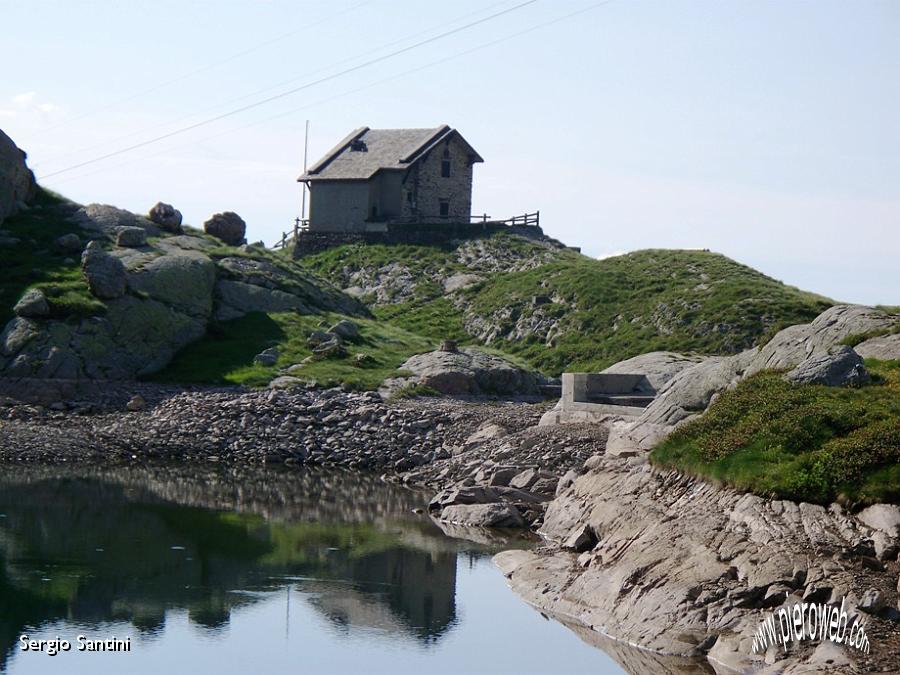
305	149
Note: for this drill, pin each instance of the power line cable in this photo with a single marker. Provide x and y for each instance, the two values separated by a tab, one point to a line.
291	91
203	69
348	92
264	89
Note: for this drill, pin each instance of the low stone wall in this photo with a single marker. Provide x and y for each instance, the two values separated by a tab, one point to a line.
421	234
594	397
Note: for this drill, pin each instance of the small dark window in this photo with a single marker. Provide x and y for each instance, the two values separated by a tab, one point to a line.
409	196
445	208
358	145
374	211
445	163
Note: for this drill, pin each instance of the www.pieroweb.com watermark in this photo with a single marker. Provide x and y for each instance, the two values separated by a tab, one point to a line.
811	621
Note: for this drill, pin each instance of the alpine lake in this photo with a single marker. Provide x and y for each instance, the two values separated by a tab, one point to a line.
207	570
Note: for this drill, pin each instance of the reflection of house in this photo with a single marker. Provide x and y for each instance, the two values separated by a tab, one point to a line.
375	176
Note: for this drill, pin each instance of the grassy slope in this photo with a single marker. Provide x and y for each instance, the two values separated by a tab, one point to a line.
810	443
225	355
35	262
612	309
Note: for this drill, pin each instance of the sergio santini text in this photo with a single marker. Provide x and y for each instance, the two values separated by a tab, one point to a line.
82	644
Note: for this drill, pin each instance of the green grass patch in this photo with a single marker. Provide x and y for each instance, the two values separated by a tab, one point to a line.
225	355
437	319
807	443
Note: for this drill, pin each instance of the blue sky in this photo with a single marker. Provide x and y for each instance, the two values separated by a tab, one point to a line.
767	131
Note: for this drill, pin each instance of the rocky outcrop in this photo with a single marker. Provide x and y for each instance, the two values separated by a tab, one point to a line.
103	221
690	391
657	367
260	285
841	367
17	185
155	297
227	226
884	348
680	567
468	372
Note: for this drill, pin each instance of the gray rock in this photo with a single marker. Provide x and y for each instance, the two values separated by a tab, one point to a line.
842	367
166	216
70	243
103	219
658	367
104	273
463	495
227	226
136	403
483	515
131	237
347	330
267	357
470	372
287	382
883	517
320	337
884	348
582	539
488	431
872	601
16	335
795	344
33	304
236	298
184	281
17	184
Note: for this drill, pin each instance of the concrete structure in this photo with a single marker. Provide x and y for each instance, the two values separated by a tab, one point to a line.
377	177
593	397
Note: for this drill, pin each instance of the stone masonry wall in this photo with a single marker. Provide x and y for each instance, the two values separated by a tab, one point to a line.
429	187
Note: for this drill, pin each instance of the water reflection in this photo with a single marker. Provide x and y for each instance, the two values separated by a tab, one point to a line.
93	546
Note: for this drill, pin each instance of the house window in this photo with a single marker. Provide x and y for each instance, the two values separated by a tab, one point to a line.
445	163
445	208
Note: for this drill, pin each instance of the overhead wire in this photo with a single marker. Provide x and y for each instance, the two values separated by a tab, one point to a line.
289	92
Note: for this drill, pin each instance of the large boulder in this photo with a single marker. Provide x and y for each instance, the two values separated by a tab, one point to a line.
17	184
884	348
131	237
103	220
227	226
470	372
795	344
484	515
842	367
658	367
166	216
33	304
105	274
182	281
236	298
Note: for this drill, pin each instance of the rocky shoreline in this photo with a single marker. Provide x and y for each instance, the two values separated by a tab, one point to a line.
651	559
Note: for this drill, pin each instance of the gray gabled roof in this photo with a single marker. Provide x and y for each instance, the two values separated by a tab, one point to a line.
385	150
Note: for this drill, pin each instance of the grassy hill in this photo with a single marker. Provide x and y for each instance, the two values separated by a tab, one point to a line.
560	310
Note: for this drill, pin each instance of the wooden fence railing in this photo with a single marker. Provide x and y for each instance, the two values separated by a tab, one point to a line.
526	220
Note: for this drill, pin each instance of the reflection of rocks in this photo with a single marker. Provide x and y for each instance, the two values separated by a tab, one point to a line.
402	568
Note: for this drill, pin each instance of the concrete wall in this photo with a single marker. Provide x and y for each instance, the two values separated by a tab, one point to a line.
339	206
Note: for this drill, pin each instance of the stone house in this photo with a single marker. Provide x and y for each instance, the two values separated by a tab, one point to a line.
377	177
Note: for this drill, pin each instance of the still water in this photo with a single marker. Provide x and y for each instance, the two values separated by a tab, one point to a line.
245	571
